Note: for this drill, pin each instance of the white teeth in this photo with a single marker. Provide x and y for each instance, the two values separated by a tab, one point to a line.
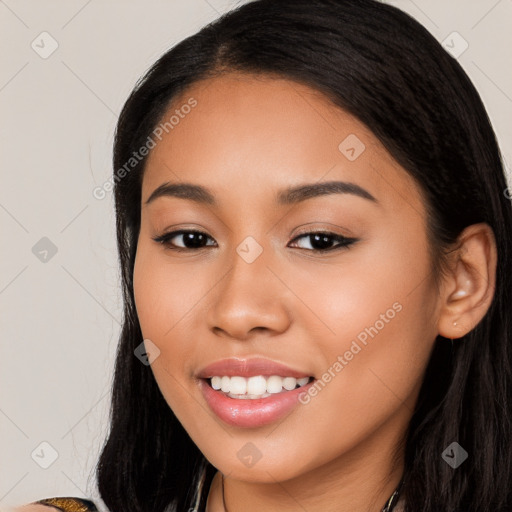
290	383
238	386
216	382
303	381
275	384
257	386
225	384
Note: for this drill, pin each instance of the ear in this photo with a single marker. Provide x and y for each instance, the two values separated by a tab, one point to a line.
468	287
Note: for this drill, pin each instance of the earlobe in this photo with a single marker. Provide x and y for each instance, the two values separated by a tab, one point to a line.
468	288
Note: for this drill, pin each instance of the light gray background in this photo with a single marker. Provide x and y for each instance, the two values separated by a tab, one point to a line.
61	318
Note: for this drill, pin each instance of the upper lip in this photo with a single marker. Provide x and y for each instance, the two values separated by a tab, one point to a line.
249	368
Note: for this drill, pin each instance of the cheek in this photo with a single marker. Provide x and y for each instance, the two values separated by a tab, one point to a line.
163	297
170	299
164	294
366	287
373	371
373	365
378	316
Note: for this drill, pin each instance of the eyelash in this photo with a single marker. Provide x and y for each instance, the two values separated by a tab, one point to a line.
344	242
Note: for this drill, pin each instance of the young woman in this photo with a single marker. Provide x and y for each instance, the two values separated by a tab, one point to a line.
314	235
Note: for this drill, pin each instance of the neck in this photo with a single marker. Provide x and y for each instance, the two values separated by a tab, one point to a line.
359	481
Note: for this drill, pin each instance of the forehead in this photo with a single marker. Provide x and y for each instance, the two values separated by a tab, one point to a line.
262	133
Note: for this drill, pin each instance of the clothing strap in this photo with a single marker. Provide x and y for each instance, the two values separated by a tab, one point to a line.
69	504
393	499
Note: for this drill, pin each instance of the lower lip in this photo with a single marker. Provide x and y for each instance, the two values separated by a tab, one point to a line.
251	413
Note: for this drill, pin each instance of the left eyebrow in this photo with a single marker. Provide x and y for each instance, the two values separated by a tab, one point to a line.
300	193
290	195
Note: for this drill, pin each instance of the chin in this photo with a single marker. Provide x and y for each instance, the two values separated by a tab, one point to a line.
279	467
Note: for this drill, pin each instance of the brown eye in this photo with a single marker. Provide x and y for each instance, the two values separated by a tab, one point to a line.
323	241
191	240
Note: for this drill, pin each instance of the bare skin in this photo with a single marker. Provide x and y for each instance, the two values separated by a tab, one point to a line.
248	138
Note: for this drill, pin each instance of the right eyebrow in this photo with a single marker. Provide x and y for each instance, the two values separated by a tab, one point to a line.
185	191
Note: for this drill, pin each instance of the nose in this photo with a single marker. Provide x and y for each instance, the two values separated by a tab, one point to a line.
249	300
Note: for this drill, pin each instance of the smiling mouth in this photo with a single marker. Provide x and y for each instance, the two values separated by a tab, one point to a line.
255	387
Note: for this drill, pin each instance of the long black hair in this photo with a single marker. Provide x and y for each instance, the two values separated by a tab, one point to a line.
387	70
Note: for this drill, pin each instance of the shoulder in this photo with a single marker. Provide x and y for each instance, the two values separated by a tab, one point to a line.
63	504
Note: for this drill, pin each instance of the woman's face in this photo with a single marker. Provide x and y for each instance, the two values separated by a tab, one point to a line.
359	318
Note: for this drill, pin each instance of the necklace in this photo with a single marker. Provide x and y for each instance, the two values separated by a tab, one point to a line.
388	507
